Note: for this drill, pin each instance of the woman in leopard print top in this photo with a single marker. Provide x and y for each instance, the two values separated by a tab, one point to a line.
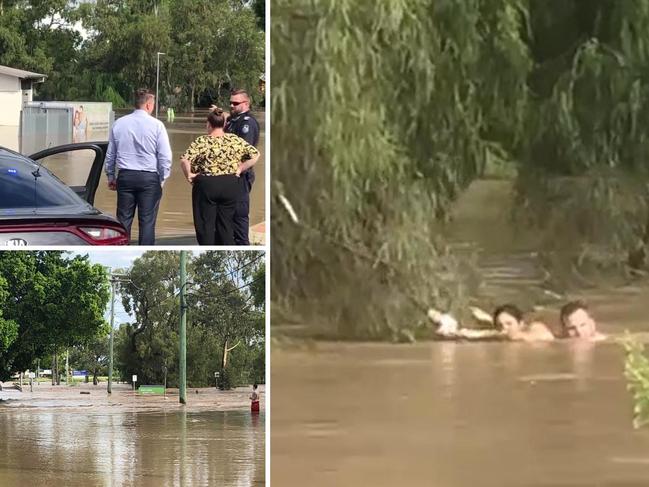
212	164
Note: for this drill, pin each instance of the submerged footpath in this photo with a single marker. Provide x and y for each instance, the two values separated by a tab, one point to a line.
89	398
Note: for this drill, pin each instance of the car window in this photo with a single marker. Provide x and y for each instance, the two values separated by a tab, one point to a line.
72	167
22	185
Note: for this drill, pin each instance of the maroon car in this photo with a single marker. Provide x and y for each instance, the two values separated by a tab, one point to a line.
37	208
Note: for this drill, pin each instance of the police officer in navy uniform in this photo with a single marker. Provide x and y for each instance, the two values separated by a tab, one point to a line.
242	123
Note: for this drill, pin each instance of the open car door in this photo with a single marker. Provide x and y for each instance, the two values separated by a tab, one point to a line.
77	165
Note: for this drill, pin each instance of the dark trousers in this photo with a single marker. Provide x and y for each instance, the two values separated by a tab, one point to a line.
214	200
242	211
141	190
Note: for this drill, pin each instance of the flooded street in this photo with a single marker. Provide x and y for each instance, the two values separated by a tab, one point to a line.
175	214
75	442
174	224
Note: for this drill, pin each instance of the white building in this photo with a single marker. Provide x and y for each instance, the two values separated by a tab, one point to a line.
16	88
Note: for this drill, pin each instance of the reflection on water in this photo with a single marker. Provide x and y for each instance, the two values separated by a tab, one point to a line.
455	414
143	449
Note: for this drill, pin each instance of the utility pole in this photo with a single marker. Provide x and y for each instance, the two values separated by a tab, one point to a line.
110	346
157	82
183	329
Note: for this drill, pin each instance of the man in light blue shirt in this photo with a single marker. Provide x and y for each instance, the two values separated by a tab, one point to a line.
139	150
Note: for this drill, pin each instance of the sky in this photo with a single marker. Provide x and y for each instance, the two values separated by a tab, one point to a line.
120	259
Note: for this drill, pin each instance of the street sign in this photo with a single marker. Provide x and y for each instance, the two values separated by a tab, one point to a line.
154	389
135	378
79	373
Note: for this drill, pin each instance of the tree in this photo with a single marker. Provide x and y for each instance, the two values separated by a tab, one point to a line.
56	301
92	356
259	7
389	117
225	303
210	46
150	343
223	318
215	48
581	174
8	328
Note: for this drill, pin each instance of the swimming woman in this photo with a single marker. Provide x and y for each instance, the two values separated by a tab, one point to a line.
507	320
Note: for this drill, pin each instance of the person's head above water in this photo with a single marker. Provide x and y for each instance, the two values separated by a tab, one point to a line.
576	321
508	317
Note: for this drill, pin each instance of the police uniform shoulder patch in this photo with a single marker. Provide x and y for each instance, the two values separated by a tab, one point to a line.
245	129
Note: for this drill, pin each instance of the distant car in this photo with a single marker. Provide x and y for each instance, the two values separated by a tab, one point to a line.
37	208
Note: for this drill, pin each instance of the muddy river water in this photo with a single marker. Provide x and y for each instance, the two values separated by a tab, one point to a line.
453	414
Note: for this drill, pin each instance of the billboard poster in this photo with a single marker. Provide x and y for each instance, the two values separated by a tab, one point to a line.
90	121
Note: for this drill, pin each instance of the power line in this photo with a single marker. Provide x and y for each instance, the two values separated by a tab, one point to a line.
220	295
261	254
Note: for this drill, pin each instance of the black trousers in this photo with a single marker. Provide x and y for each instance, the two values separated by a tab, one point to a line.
214	200
242	211
141	190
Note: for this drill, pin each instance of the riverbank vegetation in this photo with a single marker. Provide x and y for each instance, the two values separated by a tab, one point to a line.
385	112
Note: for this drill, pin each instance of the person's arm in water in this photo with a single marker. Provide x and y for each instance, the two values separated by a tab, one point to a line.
450	328
469	333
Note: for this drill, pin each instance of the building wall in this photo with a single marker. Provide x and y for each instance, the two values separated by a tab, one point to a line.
11	103
9	83
10	100
9	137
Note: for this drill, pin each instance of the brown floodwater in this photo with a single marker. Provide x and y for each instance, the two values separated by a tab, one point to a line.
75	442
456	414
174	224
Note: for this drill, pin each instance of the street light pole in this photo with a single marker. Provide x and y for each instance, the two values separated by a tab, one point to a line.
157	82
114	279
110	346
